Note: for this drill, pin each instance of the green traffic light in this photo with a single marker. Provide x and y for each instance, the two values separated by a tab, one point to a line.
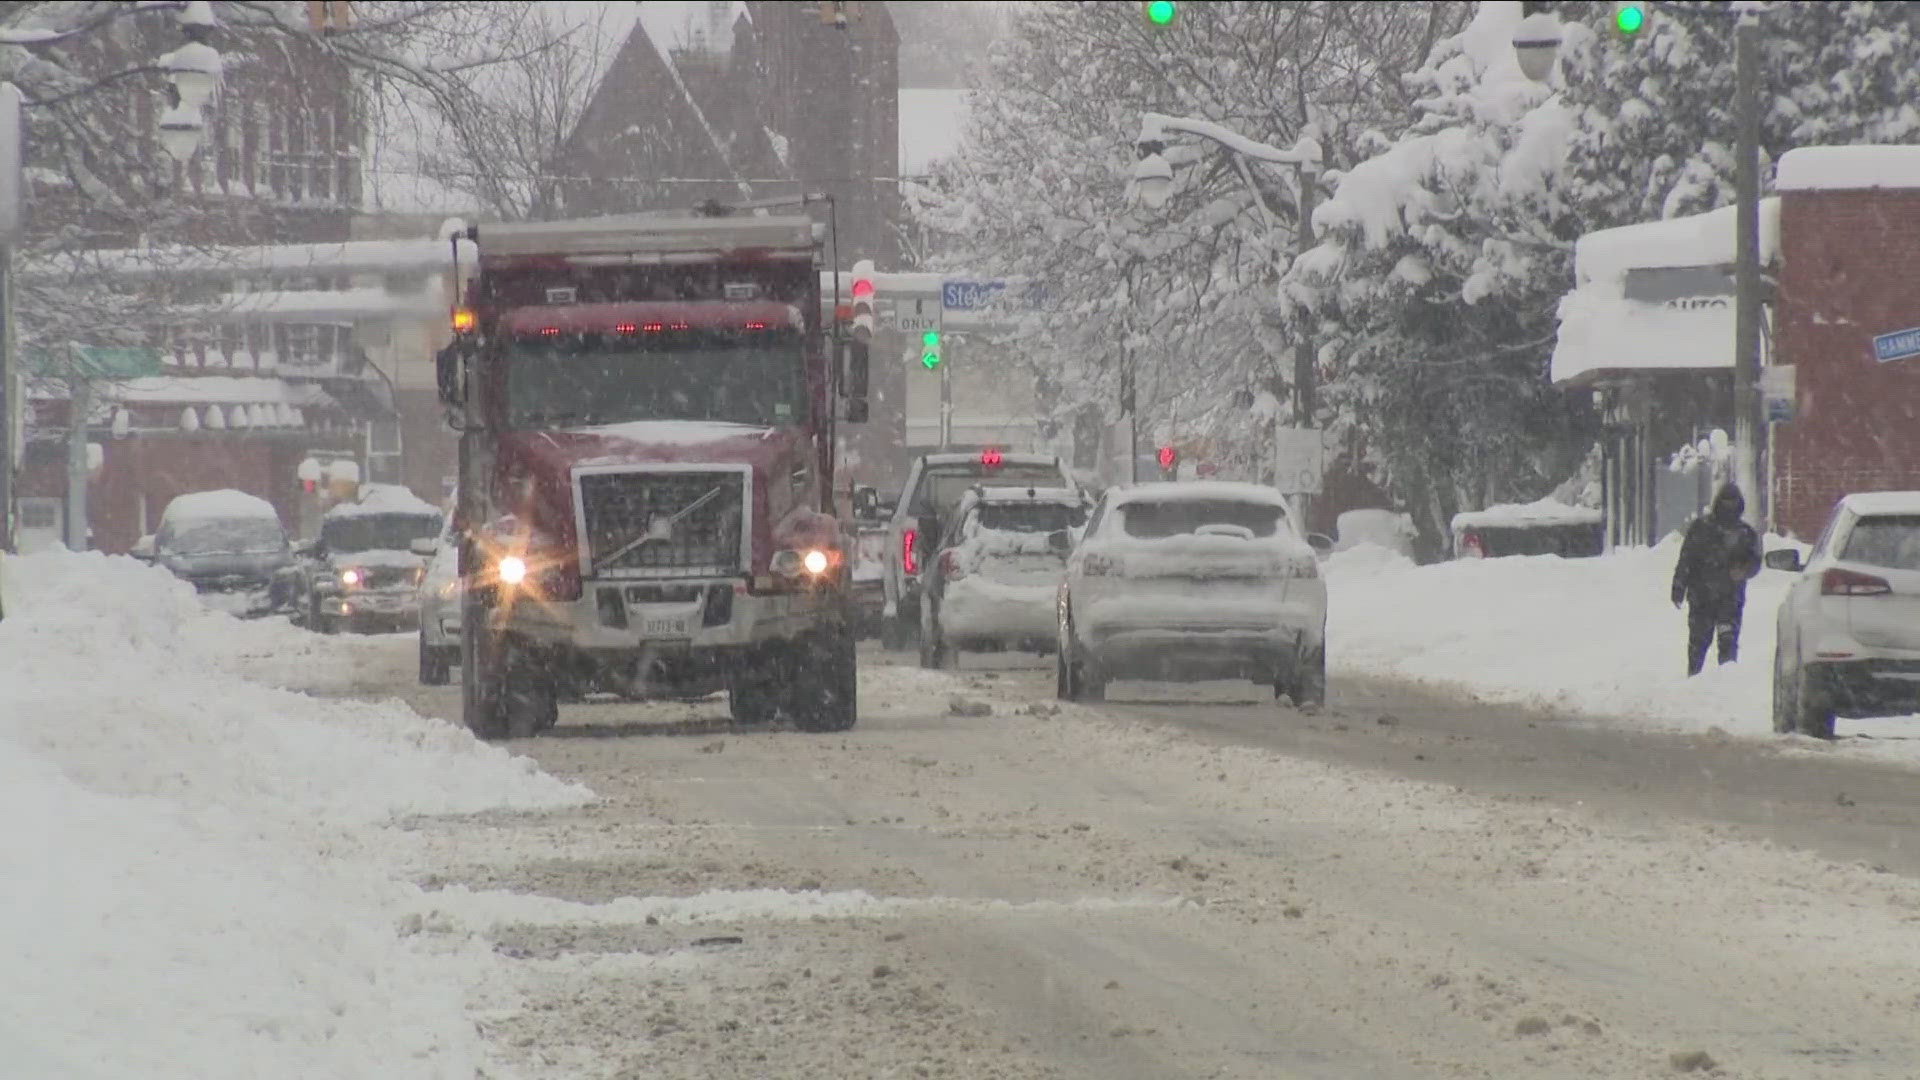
930	360
930	338
1161	12
1629	18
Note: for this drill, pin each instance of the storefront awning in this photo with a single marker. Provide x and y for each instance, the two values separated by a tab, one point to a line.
1603	336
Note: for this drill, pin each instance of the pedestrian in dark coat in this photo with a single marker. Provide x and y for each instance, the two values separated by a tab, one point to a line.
1720	554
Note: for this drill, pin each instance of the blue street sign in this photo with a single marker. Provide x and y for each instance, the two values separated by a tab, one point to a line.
1899	345
969	295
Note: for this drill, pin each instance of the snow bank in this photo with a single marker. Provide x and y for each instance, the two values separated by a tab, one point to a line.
204	889
1595	637
1840	168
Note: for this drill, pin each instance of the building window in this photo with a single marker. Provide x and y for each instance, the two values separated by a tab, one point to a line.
383	451
320	157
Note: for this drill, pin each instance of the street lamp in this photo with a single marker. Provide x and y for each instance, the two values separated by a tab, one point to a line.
1153	179
1536	42
1749	428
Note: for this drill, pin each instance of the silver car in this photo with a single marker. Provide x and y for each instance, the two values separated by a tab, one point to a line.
440	592
1849	630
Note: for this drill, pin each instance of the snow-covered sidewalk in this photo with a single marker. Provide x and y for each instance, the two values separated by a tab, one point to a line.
1592	637
202	878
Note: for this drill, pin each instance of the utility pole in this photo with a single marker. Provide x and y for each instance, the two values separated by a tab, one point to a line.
946	399
1747	429
1305	354
12	219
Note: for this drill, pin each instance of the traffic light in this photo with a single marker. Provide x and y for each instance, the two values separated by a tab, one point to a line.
1160	12
930	349
863	296
1629	16
1169	462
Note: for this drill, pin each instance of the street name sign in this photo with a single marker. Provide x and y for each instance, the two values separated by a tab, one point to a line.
1899	345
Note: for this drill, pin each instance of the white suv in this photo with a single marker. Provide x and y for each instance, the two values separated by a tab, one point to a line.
1187	581
1849	630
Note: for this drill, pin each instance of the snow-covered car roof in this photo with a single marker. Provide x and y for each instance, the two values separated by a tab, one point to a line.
1522	515
1875	503
1199	491
1065	496
384	499
224	504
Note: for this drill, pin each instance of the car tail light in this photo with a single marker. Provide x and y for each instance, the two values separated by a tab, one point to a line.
1100	566
1838	582
907	561
950	565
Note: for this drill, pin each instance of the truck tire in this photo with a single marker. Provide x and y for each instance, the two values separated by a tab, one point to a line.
1077	677
753	696
529	696
436	669
934	651
825	691
1813	712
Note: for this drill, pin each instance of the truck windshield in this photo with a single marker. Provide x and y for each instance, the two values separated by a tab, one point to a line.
579	380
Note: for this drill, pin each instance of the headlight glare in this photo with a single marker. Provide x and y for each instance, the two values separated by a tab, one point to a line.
513	570
350	577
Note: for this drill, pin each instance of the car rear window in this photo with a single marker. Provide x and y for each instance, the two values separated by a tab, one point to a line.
1892	543
1031	517
943	486
1157	520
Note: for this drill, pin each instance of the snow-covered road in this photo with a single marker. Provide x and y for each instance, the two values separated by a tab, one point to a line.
261	855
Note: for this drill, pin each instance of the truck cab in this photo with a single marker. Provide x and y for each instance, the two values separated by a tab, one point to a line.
647	463
935	485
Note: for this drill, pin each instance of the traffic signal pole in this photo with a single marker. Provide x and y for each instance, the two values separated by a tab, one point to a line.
946	399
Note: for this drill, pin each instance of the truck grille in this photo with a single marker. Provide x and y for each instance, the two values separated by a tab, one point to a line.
663	524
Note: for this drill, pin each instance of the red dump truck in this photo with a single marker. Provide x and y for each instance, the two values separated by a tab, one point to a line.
647	407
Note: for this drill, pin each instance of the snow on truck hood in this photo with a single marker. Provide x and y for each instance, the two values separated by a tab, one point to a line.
642	442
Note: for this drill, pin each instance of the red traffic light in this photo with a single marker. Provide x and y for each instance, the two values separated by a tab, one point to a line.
1167	457
862	288
990	458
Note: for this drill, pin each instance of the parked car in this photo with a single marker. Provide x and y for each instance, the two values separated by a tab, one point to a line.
935	485
1538	528
1389	529
439	602
1848	632
228	544
1193	580
991	584
361	572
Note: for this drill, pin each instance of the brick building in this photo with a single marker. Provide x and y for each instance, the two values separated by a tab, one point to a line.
1850	238
246	360
1648	330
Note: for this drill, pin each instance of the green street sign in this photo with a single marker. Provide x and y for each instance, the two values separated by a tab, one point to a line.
95	361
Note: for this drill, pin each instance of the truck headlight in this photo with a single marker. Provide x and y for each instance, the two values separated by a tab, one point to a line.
512	570
350	577
812	562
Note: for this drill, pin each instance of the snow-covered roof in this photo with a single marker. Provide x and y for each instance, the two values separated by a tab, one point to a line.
216	390
308	305
674	432
1197	491
1006	458
225	504
1873	503
384	499
354	256
1520	515
1696	240
931	122
1602	333
1844	168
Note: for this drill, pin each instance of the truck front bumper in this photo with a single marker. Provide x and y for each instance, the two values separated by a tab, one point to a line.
674	615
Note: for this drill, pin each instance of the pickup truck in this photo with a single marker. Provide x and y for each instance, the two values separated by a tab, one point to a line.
934	488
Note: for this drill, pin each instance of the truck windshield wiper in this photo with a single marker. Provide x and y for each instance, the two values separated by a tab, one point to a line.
663	530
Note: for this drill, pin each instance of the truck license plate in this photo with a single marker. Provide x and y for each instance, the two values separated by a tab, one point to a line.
664	627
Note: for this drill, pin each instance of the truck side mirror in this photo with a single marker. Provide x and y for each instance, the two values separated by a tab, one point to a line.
447	372
856	371
866	502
